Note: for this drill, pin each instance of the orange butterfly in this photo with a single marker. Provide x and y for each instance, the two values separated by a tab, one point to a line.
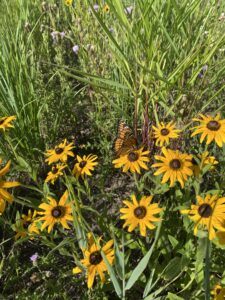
125	140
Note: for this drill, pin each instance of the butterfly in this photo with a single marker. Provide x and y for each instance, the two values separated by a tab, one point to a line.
125	140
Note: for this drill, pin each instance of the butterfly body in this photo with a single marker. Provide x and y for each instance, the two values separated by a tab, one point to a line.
125	140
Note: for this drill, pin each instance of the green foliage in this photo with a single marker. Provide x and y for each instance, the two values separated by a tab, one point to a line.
163	61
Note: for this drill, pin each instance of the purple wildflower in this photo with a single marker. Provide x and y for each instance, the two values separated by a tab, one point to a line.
62	34
76	49
34	257
96	7
128	10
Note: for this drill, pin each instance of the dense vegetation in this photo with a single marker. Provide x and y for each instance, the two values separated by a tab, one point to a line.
112	149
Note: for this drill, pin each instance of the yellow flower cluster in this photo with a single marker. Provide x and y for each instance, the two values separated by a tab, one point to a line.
58	157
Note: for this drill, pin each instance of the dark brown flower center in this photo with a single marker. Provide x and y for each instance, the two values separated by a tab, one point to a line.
2	121
54	170
213	125
58	150
58	211
82	164
165	131
95	258
218	290
140	212
133	156
205	210
175	164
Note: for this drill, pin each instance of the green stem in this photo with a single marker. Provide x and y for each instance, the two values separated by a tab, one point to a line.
207	270
123	269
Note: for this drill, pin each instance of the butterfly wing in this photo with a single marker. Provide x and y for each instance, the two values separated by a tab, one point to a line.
125	140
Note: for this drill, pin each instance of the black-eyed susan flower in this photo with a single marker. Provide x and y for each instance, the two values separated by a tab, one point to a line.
140	214
218	292
5	122
203	160
208	213
164	132
175	165
85	165
212	128
55	173
106	8
68	2
54	212
26	225
93	261
59	153
4	185
134	160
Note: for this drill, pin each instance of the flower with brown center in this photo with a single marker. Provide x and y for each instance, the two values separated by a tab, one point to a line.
164	132
26	225
133	161
55	173
212	128
201	161
140	214
93	261
218	292
85	165
175	166
59	153
208	213
56	212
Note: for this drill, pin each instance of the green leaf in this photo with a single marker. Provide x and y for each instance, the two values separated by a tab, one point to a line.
172	296
143	263
112	275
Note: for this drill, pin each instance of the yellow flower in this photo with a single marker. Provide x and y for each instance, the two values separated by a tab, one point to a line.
93	261
4	185
2	206
208	213
68	2
27	225
56	212
203	160
60	153
164	132
84	165
211	127
175	165
55	173
106	8
140	214
133	161
5	122
218	292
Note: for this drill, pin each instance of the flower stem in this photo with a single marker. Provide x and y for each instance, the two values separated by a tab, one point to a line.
207	270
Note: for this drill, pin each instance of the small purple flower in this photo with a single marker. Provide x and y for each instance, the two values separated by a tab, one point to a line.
111	30
96	7
128	10
62	34
34	257
76	49
202	72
